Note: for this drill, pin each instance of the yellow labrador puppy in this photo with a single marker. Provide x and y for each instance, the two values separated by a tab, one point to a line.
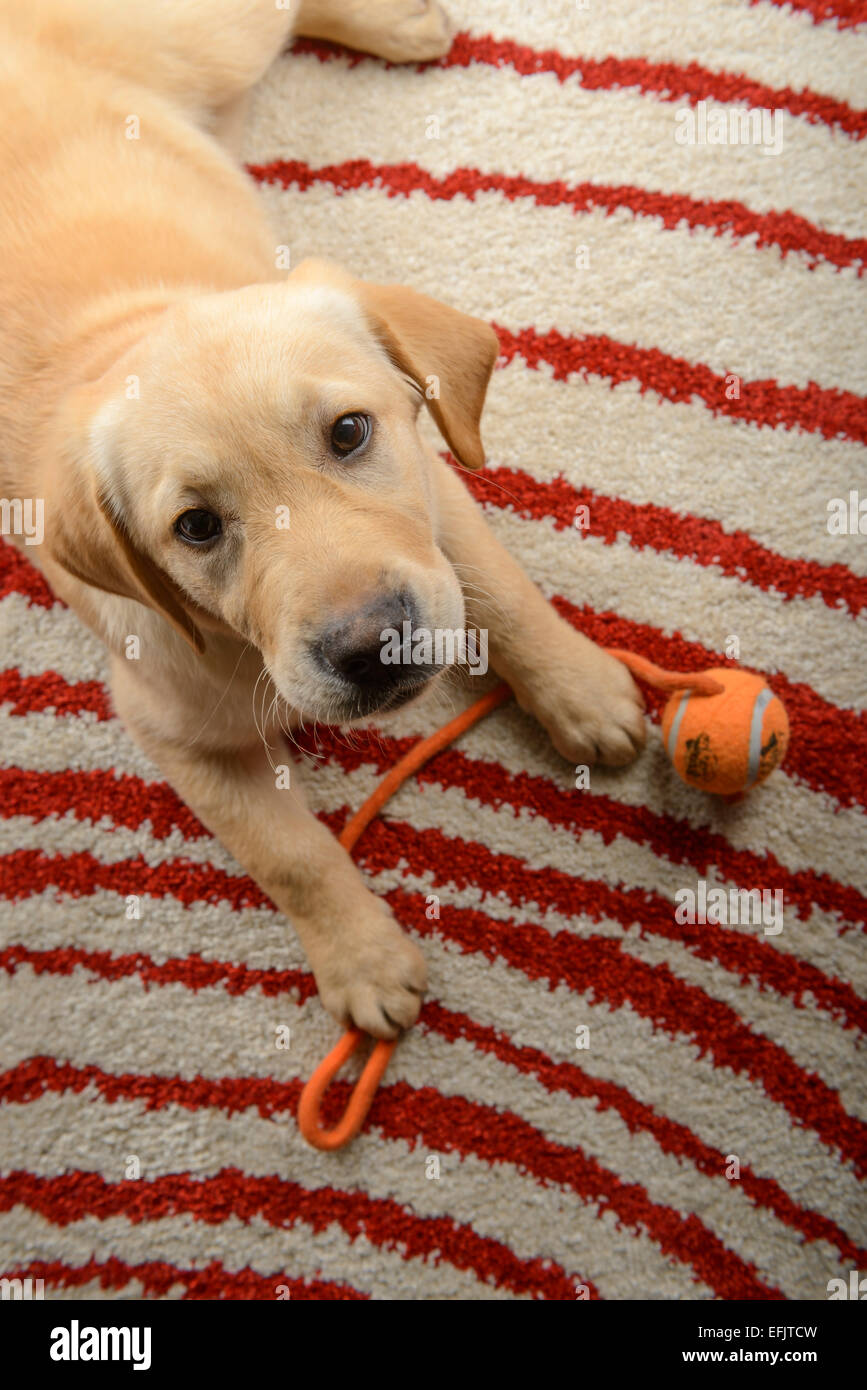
174	399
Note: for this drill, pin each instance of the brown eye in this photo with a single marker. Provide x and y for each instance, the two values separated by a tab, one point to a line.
198	526
349	433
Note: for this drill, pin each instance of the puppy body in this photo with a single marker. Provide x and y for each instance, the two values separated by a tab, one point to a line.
156	365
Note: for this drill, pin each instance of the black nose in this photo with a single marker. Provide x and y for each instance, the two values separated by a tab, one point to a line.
356	649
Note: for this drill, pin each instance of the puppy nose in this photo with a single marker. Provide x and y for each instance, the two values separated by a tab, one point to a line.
353	647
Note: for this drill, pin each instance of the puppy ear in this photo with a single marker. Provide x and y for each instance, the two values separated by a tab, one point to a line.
449	355
85	536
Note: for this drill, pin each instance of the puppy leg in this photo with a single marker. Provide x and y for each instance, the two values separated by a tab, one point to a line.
586	700
367	971
404	31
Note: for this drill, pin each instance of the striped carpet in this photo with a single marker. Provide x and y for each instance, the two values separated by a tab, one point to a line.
682	353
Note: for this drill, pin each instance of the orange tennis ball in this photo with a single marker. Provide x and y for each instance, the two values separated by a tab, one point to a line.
729	742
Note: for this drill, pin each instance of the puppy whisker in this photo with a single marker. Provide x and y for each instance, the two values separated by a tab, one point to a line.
241	656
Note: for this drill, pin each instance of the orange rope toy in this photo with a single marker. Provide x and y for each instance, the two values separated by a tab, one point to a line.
361	1098
365	1089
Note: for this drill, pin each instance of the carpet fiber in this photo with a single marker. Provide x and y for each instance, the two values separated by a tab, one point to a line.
683	356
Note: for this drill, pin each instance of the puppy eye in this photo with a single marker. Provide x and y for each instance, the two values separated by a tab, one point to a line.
198	526
349	433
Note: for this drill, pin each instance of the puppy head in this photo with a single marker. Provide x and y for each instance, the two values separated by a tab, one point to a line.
254	465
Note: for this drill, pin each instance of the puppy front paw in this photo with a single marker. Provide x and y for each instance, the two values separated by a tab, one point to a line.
590	706
371	974
410	31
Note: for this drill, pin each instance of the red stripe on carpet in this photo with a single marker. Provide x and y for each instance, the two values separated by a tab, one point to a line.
688	537
123	798
846	14
158	1278
668	82
752	959
455	1125
129	801
672	1137
696	847
785	230
49	691
814	409
19	576
282	1204
753	962
595	965
193	972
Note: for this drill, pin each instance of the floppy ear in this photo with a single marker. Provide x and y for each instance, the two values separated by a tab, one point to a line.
426	339
86	537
